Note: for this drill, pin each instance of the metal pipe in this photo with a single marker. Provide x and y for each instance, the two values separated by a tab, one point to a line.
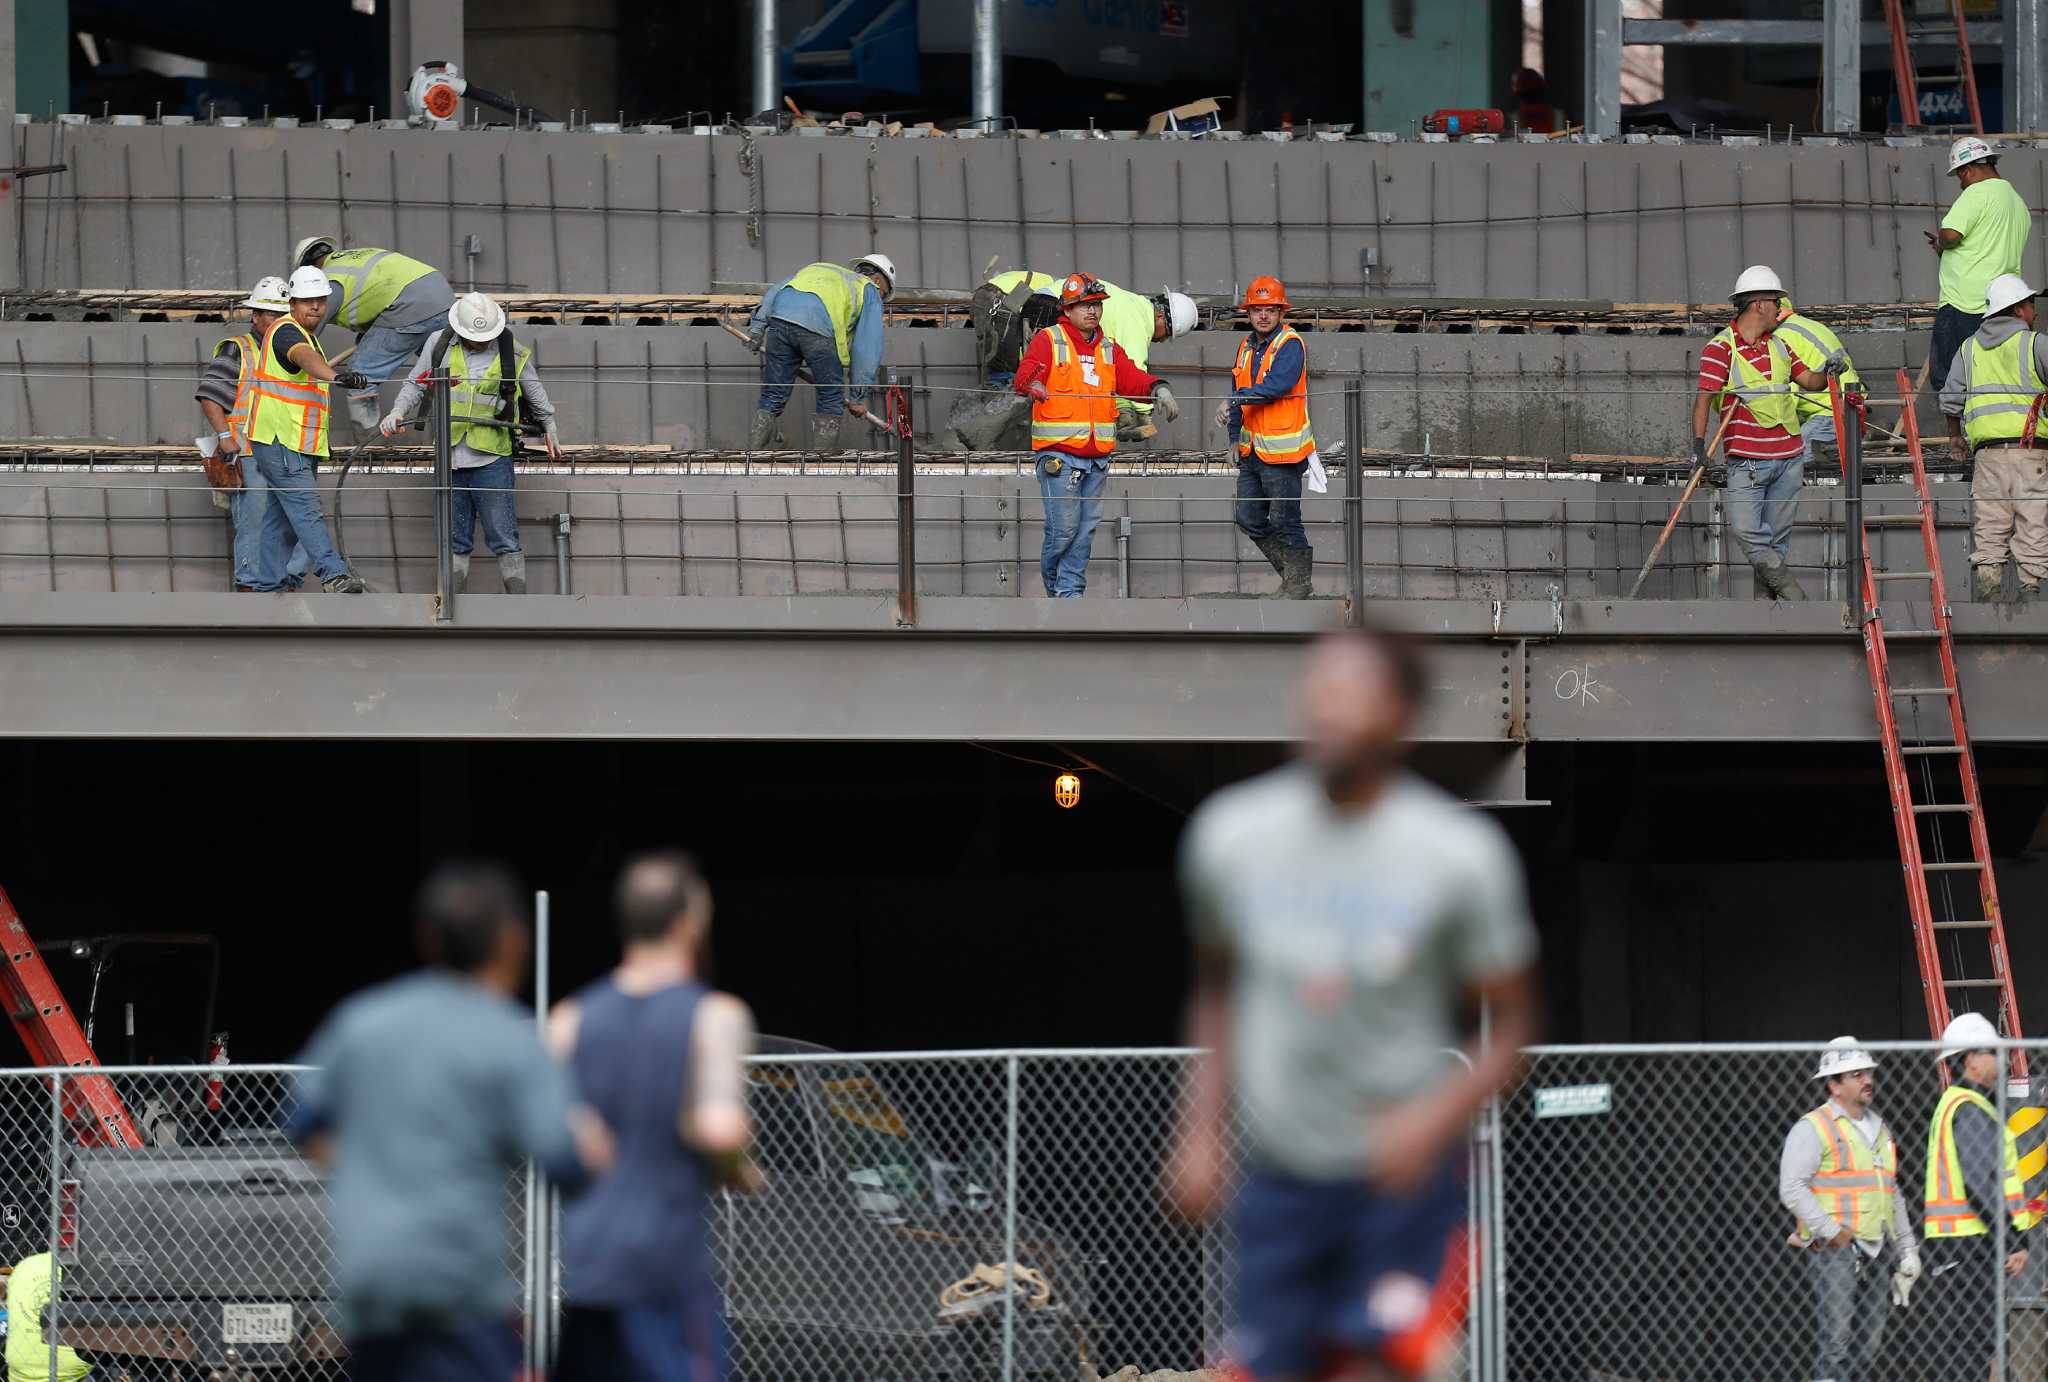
767	58
988	62
562	554
1123	556
2026	83
1009	1226
1850	443
56	1212
906	508
444	497
1354	501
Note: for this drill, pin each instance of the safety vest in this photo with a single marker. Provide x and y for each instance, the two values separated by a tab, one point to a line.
28	1354
1769	397
843	291
2004	382
290	405
367	281
1080	408
1128	319
1813	345
245	384
1007	283
1856	1183
470	403
1277	431
1949	1213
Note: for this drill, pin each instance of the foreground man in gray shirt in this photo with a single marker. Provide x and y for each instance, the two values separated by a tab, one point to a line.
1342	910
426	1094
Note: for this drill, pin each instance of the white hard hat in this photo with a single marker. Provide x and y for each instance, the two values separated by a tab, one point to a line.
1842	1056
882	262
309	282
269	295
313	244
2006	290
1181	315
1968	149
1967	1032
476	318
1757	278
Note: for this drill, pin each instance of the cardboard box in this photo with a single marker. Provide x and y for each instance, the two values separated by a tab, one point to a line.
1196	117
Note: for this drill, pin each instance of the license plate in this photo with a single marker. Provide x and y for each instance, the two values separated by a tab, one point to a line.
256	1324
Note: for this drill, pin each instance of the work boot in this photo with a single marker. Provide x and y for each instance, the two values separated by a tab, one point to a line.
1297	569
512	571
761	430
825	434
1987	583
1274	552
347	583
2029	593
1777	579
462	573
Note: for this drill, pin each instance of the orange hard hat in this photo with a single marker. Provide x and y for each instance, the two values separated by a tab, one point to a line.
1265	291
1079	288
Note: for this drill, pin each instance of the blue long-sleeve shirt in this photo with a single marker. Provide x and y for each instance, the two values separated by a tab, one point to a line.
1285	373
807	310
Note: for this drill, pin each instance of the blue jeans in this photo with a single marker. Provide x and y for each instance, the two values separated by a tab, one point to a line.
1269	501
1817	429
1073	506
247	506
385	352
1851	1297
485	493
1952	326
784	346
290	505
1763	499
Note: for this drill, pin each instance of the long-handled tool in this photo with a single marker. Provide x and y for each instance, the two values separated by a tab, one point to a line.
803	372
1683	499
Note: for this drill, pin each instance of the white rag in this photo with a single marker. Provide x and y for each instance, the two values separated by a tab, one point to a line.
1318	478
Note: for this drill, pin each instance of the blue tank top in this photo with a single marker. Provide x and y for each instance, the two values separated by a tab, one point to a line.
639	1235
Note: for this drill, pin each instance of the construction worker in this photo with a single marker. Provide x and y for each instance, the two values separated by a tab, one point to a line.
1746	368
1972	1180
1344	913
1074	374
657	1054
1266	415
225	395
288	435
998	310
1136	323
499	391
1993	399
1814	345
825	320
28	1352
1839	1177
1982	236
389	300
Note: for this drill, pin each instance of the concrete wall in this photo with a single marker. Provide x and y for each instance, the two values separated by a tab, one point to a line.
216	207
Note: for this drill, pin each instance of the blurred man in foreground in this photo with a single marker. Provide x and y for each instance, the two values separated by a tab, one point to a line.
657	1054
425	1094
1342	910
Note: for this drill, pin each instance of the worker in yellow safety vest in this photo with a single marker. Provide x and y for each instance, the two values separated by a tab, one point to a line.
1975	1215
28	1352
823	322
498	389
288	436
1816	346
1994	400
1838	1175
1007	311
389	300
226	396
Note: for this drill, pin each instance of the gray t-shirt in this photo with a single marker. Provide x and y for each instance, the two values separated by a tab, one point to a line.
1352	938
433	1089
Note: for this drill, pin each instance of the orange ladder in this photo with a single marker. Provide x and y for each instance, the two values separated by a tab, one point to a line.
36	1007
1909	80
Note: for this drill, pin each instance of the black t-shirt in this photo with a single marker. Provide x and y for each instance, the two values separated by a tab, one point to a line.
284	339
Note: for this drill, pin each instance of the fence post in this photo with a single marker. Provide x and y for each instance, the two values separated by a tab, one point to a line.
1009	1226
1851	447
444	499
56	1207
1354	502
906	505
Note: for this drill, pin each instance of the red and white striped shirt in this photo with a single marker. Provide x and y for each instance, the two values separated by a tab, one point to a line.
1747	437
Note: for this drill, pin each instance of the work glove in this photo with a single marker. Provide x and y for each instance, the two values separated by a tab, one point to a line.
392	424
554	441
1163	396
1838	366
1036	388
1903	1278
1699	452
354	380
1223	413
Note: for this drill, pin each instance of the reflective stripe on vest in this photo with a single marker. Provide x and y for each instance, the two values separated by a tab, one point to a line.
2004	381
369	281
1856	1184
471	403
1768	397
1813	345
245	388
843	291
1278	431
1948	1212
1080	409
290	405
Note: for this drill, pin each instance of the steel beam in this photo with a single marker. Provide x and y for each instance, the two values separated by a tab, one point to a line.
2026	80
1602	99
988	62
1841	68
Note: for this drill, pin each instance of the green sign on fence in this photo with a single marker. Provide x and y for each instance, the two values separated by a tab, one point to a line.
1574	1100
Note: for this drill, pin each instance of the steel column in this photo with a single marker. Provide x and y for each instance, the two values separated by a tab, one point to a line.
2026	81
1850	444
444	502
1602	100
1354	502
1841	67
906	506
767	58
988	62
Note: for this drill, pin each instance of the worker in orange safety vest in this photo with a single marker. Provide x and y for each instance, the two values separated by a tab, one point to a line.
1267	418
